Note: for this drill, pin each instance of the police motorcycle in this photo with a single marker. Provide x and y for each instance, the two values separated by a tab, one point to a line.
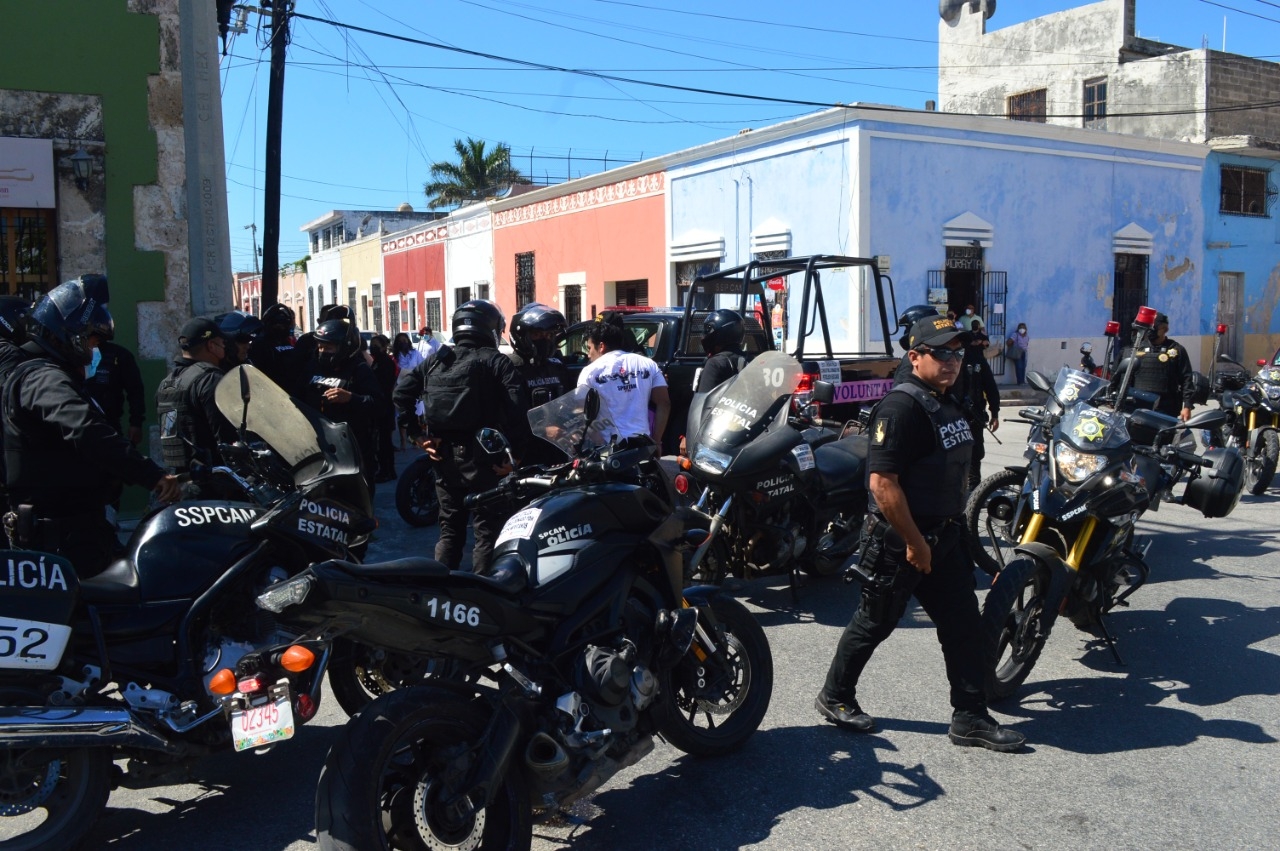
573	651
1086	487
416	500
163	657
791	503
1252	408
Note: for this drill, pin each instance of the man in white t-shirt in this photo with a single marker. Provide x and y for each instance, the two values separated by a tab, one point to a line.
629	383
427	344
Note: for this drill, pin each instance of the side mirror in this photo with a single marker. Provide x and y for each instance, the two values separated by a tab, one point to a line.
492	441
1086	348
1038	381
824	392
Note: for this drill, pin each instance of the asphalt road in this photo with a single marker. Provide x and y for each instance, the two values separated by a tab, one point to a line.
1173	749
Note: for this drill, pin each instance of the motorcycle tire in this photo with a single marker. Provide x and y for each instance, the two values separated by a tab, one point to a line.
1013	624
416	499
730	695
385	770
1261	469
81	783
359	673
987	516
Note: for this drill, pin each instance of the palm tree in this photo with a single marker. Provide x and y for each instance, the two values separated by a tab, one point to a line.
478	174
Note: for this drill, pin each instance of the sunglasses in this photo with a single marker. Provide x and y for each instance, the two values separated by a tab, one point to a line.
943	355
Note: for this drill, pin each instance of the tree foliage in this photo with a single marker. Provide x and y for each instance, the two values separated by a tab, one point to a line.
479	173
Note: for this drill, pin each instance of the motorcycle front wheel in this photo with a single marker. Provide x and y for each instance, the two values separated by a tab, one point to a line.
988	518
386	778
1260	469
51	798
710	706
416	500
1016	624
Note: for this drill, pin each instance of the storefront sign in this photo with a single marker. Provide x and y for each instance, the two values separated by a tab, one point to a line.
26	173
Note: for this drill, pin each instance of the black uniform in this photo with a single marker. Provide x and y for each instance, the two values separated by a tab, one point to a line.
1165	369
980	396
719	368
191	426
930	455
116	381
464	388
282	362
541	383
359	413
63	460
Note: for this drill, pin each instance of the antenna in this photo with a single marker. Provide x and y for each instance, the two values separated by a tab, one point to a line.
254	235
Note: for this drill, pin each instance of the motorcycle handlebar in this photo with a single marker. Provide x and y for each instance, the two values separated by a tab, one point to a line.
506	489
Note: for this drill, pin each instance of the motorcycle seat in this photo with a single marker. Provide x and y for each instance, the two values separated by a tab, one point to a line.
1145	426
118	584
512	582
841	462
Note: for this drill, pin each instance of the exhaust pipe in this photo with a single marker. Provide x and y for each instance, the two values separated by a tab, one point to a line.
50	727
545	757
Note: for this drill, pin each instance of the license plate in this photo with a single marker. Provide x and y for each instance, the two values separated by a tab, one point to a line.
259	726
32	645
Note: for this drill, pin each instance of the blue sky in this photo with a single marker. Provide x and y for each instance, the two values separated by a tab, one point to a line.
365	115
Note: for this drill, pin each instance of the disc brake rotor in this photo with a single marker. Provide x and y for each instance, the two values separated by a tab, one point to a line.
25	789
436	835
729	694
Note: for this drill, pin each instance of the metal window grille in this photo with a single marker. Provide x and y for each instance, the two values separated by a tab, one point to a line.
1130	289
1095	102
1246	191
393	316
27	252
333	291
1029	106
351	300
311	309
573	304
376	298
433	314
525	286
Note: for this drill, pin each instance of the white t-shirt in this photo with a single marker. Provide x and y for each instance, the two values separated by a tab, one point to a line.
624	380
427	347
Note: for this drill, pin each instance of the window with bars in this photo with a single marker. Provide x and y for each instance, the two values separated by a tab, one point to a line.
327	238
1029	106
433	314
27	252
376	298
461	295
688	271
333	291
1245	191
482	289
393	316
351	299
571	299
1095	102
525	287
311	309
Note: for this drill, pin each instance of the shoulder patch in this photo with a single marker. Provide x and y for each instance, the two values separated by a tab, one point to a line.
881	428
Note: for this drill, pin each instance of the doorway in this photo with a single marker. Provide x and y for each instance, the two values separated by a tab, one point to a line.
1230	312
1130	291
962	277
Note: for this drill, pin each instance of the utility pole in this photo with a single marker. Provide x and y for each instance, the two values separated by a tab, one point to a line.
253	229
280	11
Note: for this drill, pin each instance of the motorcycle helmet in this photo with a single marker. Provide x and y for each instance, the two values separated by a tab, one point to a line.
536	317
341	332
911	316
66	317
279	316
480	321
13	318
238	326
336	311
722	330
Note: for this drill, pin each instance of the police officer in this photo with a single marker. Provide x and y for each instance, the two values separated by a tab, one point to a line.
979	395
273	350
62	456
465	387
116	381
1163	367
239	329
536	331
191	426
909	317
919	455
342	386
722	333
13	333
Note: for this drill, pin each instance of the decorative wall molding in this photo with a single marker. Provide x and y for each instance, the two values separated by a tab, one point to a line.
436	233
965	228
602	196
1132	239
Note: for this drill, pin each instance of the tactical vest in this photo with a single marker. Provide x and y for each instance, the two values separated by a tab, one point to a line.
456	385
178	421
935	484
1158	370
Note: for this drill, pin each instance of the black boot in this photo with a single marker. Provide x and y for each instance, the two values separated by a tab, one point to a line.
847	715
982	731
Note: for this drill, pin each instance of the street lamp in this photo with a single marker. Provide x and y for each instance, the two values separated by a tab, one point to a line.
82	168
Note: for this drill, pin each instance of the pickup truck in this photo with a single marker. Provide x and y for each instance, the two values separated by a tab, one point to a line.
672	336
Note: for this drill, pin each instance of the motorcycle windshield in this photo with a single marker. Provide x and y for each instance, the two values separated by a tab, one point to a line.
1269	375
563	422
737	407
270	413
1074	386
1091	429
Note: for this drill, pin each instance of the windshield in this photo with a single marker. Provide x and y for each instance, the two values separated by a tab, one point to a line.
1269	374
1084	426
563	421
1074	386
272	414
736	407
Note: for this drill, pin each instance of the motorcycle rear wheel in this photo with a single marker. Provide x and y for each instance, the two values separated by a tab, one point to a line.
988	516
358	673
71	787
1013	622
416	500
1261	468
383	781
718	716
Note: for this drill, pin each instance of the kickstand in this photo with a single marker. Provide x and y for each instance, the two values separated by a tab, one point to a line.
1106	636
796	582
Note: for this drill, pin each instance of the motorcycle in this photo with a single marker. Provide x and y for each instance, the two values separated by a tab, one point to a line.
163	657
1074	518
416	500
794	496
570	654
1252	409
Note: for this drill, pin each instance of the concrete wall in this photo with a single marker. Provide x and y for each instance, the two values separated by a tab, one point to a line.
468	256
324	267
362	268
1235	80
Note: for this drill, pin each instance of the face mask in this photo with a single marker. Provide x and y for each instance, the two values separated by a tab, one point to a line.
327	360
542	350
93	364
1022	331
968	312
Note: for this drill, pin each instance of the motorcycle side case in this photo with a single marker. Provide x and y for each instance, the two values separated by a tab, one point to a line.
1216	492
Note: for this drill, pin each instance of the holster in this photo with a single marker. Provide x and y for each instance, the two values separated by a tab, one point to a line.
888	579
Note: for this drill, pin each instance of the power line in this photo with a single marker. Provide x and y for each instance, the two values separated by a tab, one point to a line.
1242	11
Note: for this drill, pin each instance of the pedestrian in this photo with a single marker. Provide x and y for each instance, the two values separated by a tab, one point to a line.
1163	367
1015	349
114	381
913	542
342	387
406	357
628	381
465	387
979	395
427	344
273	350
62	457
385	372
536	332
722	334
191	426
968	318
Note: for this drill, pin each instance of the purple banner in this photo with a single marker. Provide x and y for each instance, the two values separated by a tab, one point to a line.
864	391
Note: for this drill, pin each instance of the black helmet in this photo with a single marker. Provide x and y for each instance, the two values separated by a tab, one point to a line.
64	319
480	321
336	311
238	325
14	311
914	314
344	334
279	316
722	329
539	317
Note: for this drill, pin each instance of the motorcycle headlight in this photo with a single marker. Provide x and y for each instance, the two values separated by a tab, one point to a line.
1273	391
1075	465
712	461
282	595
